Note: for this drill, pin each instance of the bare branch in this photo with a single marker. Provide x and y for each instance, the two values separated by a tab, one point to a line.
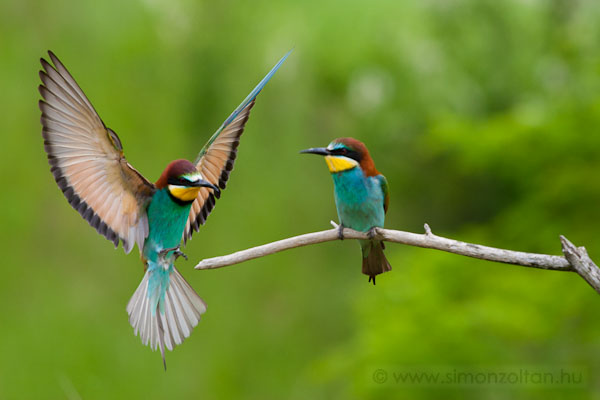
427	240
582	263
575	258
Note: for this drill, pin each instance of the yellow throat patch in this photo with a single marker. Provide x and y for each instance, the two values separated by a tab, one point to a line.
339	164
184	193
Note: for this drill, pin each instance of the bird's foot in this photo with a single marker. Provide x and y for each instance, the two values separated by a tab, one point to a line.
340	230
179	253
176	252
372	278
371	233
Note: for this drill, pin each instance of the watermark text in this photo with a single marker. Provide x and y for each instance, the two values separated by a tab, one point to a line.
480	376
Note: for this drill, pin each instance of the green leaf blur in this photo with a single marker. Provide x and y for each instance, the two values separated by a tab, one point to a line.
483	115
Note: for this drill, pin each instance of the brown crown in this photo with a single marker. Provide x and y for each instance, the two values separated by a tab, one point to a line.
366	162
174	169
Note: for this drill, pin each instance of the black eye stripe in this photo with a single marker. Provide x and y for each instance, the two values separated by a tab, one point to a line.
342	151
178	181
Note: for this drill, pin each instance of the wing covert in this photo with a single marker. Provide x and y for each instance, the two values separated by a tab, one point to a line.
386	192
87	161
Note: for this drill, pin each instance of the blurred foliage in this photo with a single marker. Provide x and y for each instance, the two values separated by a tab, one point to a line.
482	114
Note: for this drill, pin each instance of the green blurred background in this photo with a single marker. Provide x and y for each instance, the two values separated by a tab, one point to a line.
483	115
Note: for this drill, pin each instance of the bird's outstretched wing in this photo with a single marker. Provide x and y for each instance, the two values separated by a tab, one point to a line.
87	161
217	157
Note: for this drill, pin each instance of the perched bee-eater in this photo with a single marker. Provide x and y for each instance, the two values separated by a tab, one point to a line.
87	161
361	197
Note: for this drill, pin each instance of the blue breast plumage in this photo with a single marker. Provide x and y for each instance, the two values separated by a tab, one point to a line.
359	199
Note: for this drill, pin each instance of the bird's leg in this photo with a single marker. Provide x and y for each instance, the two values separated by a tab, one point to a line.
179	253
176	252
163	253
340	231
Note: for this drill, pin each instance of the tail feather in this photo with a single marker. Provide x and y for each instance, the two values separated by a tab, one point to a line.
374	261
165	322
161	340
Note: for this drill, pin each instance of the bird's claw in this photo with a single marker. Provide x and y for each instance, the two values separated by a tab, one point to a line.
176	252
340	232
179	253
371	233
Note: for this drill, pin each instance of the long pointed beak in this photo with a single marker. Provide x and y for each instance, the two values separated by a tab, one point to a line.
203	183
322	151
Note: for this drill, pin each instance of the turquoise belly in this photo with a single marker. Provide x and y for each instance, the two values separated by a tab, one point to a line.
166	220
359	200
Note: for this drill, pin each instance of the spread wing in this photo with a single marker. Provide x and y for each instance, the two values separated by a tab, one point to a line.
87	161
217	157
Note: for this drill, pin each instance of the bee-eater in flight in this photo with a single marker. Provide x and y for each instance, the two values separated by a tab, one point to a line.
87	161
361	197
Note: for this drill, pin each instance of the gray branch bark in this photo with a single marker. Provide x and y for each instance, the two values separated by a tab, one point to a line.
582	263
575	259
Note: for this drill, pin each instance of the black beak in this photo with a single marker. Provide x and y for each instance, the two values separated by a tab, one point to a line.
322	151
203	183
